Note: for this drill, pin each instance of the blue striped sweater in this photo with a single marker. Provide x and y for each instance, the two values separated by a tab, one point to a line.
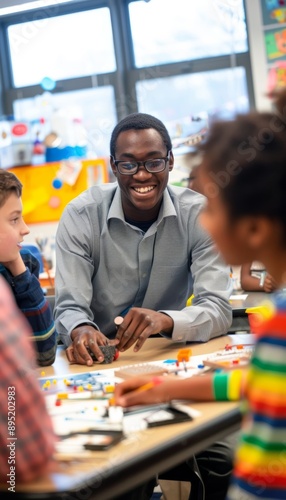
31	301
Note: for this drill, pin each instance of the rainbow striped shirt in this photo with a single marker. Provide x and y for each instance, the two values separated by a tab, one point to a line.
260	466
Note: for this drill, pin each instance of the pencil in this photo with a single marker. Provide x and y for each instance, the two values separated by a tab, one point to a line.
146	387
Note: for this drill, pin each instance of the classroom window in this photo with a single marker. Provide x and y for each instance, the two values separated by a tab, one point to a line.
175	100
173	59
165	32
62	47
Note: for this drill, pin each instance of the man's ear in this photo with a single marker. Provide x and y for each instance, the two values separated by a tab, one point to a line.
113	167
171	161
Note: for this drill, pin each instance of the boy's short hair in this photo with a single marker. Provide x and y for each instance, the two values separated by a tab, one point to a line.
139	121
9	183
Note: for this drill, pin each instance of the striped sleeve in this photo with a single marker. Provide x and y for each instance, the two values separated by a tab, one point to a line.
32	302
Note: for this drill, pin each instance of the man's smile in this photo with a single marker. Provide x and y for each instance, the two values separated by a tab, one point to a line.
143	189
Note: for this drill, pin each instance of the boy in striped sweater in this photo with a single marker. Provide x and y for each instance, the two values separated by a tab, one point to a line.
20	269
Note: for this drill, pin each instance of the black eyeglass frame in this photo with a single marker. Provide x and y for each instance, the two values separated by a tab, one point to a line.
138	163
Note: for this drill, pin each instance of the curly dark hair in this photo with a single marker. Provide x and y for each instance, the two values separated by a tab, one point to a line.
245	158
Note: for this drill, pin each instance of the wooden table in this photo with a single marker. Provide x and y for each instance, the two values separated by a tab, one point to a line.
146	453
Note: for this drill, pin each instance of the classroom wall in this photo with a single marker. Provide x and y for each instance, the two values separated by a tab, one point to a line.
257	53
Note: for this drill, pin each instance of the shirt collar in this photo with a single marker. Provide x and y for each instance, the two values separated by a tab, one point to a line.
116	212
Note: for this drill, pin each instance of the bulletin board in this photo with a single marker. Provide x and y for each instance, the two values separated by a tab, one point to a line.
275	42
273	11
274	26
48	188
277	76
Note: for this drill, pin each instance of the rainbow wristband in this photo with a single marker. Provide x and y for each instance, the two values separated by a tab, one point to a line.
220	386
234	385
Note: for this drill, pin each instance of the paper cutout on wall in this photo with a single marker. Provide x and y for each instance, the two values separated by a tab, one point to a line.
275	42
273	11
278	15
69	171
277	76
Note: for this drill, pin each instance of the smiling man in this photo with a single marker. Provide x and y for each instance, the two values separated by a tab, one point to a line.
136	249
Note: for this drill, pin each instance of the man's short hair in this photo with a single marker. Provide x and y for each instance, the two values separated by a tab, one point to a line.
139	121
9	183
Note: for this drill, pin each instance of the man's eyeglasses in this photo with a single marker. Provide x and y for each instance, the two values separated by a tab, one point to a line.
131	167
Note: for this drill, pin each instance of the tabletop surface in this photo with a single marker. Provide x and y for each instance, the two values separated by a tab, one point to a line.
145	453
154	349
243	300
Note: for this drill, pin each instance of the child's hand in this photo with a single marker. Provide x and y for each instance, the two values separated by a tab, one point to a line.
166	388
15	266
269	284
128	393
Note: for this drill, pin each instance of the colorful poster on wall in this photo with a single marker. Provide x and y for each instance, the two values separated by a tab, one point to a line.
273	11
275	43
277	76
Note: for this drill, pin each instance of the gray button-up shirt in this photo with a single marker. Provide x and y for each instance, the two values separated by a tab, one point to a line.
104	266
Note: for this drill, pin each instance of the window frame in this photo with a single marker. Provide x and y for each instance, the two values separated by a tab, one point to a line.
125	77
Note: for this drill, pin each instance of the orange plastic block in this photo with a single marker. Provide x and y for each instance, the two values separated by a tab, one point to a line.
184	355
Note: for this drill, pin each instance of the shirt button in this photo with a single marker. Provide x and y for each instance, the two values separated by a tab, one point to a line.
144	275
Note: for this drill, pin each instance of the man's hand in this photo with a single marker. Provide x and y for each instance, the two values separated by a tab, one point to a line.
139	324
86	338
15	266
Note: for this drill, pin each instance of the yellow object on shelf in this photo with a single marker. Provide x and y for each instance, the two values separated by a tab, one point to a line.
42	201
